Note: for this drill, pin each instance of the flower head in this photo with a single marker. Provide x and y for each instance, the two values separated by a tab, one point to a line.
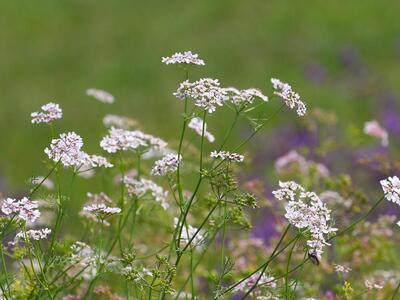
168	164
188	233
187	58
391	188
101	210
140	187
373	128
226	155
292	99
49	112
100	95
197	125
118	121
244	97
265	280
24	209
32	234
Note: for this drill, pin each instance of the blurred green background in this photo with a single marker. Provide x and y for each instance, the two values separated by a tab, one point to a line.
55	50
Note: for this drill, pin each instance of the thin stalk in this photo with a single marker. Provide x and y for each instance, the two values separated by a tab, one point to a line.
396	291
287	270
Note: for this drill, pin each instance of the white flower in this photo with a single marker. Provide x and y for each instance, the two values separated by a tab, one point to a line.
372	285
244	97
373	128
118	121
305	210
120	139
398	223
47	183
341	269
197	125
188	232
391	188
83	261
168	164
226	155
293	157
186	57
206	93
265	280
101	209
50	112
100	95
24	209
36	235
142	186
292	99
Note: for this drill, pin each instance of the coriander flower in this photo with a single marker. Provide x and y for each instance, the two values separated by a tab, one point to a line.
100	95
118	121
373	128
46	182
292	99
291	158
32	234
142	186
197	125
342	269
244	97
206	93
101	210
24	209
247	284
188	232
187	58
168	164
391	189
50	112
226	155
370	285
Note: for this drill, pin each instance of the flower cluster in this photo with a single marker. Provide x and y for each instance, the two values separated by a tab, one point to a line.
100	95
292	99
83	261
142	186
391	188
265	280
101	210
118	121
342	269
189	232
206	93
197	125
373	128
305	210
293	157
168	164
50	112
186	57
24	209
244	97
120	139
32	234
226	155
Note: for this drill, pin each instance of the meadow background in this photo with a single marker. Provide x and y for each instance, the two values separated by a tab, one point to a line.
342	56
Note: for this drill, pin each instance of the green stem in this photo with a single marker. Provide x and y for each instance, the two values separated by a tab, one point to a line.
287	270
396	291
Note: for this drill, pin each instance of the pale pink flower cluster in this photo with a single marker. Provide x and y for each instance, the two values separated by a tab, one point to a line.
50	112
305	210
293	157
120	139
188	232
265	280
141	186
101	209
391	188
244	97
373	128
67	150
96	200
226	155
197	125
371	285
100	95
118	121
342	269
24	209
32	234
186	57
206	93
168	164
292	99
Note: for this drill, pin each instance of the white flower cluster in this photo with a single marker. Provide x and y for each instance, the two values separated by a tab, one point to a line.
293	157
101	209
120	139
100	95
391	188
32	234
265	280
24	209
46	182
244	97
291	98
197	125
186	57
342	269
305	210
373	128
188	232
67	150
168	164
118	121
50	112
206	93
142	186
83	261
371	285
226	155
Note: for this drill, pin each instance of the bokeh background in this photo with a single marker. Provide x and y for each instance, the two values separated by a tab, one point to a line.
342	56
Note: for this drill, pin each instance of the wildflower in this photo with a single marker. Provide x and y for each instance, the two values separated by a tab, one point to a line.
98	198
244	97
83	261
292	99
120	139
206	93
50	112
186	57
100	95
372	285
36	235
188	232
118	121
101	210
265	280
342	269
305	210
293	157
373	128
46	182
197	125
226	155
142	186
24	209
391	189
398	223
168	164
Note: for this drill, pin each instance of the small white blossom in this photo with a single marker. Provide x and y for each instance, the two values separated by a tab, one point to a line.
142	186
118	121
36	235
206	93
188	231
372	285
50	112
226	155
244	97
47	183
373	128
265	280
341	269
292	99
294	158
83	261
186	57
168	164
100	95
391	188
24	209
101	210
197	125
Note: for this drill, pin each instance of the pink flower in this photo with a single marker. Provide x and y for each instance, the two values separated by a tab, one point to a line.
373	128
